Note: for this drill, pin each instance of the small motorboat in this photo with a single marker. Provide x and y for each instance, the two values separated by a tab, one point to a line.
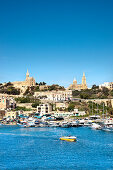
22	125
108	127
68	138
96	126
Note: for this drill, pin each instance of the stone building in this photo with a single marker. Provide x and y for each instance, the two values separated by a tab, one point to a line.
4	103
11	114
43	87
55	95
2	114
44	109
76	86
108	85
61	105
28	82
7	103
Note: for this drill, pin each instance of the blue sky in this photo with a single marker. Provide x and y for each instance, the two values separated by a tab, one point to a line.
56	40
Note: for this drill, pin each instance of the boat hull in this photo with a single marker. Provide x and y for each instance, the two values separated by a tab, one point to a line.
68	139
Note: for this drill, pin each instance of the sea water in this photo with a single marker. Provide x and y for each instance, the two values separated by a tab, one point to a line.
40	148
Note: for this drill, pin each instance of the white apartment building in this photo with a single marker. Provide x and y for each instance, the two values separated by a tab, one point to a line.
108	85
68	114
63	114
44	109
55	95
62	105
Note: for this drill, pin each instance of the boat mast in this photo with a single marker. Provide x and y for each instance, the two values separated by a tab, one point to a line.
92	108
106	113
103	110
97	108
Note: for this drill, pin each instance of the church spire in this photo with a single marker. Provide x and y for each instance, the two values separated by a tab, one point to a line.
27	71
27	74
84	79
74	81
83	74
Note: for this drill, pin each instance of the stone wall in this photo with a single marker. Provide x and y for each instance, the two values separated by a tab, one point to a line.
27	105
99	101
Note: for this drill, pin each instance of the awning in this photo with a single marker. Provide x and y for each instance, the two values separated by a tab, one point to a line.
39	117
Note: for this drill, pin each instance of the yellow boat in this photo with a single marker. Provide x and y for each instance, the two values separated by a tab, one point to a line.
68	138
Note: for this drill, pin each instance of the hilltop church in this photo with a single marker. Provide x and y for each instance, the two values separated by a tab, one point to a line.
76	86
28	82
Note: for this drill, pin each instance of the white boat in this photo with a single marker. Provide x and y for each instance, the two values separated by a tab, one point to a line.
31	122
65	125
95	126
81	122
108	127
53	124
21	125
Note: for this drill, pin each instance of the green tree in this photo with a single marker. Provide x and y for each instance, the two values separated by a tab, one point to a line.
95	86
71	107
23	100
55	87
37	88
42	83
111	92
27	91
36	104
8	84
75	93
22	108
105	91
85	95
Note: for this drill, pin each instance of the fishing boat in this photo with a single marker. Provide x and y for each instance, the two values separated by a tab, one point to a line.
68	138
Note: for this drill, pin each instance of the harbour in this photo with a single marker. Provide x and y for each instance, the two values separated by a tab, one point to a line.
41	148
95	122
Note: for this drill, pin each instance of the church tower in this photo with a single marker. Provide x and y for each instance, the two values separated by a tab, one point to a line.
76	86
27	75
74	81
84	85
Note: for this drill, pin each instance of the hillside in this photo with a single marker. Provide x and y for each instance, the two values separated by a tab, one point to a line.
8	88
93	93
